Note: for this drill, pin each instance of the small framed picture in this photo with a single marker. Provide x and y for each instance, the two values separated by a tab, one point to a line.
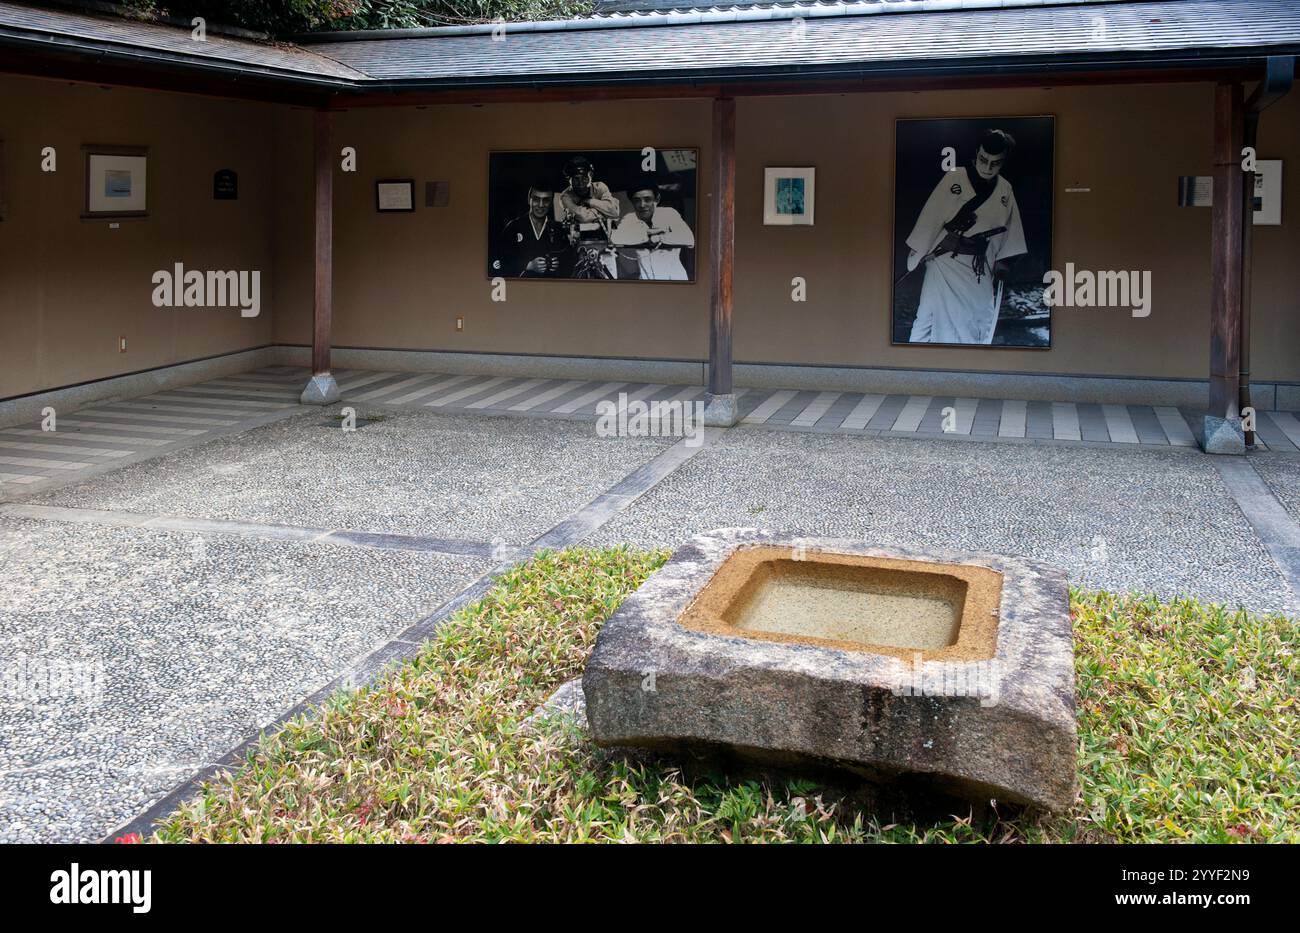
394	194
116	181
788	196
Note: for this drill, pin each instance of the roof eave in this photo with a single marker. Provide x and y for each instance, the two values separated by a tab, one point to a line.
1176	61
71	47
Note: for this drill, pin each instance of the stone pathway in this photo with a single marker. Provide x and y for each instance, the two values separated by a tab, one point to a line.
849	412
109	435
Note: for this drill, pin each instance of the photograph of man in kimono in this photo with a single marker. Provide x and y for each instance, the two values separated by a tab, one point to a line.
967	231
593	215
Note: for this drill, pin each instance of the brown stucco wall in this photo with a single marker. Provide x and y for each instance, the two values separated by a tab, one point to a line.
401	279
70	287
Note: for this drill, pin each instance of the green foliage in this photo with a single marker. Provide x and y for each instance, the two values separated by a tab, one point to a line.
270	16
412	14
280	17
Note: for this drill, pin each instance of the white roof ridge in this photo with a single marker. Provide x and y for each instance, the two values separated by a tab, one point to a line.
755	11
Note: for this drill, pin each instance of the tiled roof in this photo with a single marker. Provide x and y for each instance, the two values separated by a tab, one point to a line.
756	40
913	43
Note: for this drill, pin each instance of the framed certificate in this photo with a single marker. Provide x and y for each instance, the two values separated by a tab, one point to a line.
394	194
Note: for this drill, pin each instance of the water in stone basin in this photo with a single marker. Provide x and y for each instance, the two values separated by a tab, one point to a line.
847	610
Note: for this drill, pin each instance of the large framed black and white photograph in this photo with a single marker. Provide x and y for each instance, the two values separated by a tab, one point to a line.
597	214
973	231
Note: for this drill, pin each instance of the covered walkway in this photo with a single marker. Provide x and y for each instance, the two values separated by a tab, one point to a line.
108	435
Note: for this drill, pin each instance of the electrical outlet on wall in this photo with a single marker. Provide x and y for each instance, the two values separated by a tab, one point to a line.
121	344
460	323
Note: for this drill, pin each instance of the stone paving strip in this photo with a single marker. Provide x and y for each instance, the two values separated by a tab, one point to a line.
428	386
380	541
509	392
814	412
1287	423
862	412
604	507
1277	528
1065	422
964	410
444	400
542	398
1014	413
789	409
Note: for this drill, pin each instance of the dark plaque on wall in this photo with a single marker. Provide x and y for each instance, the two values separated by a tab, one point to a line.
437	193
225	185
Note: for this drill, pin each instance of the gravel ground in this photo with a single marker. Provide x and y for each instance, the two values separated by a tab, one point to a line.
132	657
422	473
1282	474
1147	520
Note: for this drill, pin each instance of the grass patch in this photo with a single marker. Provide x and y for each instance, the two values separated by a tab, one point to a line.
1187	719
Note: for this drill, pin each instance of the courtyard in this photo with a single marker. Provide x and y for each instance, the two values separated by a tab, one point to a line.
166	606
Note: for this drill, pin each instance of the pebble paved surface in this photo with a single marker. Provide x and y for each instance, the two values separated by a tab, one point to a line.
1282	474
133	657
444	476
1150	520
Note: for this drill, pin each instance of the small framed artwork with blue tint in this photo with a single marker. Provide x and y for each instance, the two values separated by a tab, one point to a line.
788	196
116	178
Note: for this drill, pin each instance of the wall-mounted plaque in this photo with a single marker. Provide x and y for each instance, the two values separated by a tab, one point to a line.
437	193
1198	191
225	185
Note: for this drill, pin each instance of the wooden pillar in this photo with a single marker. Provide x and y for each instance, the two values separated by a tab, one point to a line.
1226	254
1249	137
322	308
724	244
